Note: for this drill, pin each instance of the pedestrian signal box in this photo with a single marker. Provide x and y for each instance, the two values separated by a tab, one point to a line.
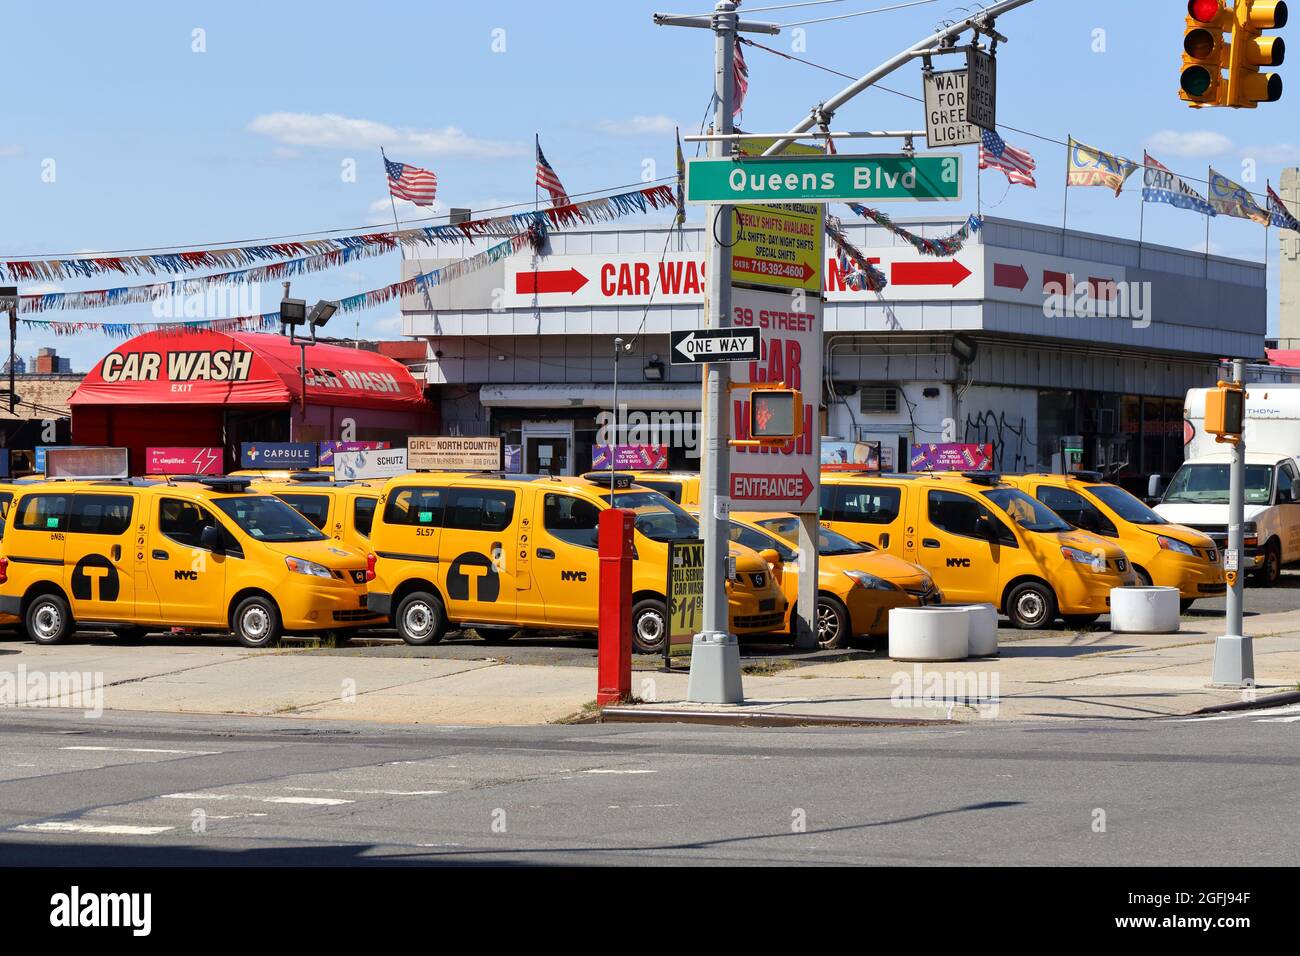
775	416
1225	412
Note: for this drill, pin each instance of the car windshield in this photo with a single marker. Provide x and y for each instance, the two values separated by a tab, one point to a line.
656	517
1208	484
267	518
1125	505
1030	514
829	543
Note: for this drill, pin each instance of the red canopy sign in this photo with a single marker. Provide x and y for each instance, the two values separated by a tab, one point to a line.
243	368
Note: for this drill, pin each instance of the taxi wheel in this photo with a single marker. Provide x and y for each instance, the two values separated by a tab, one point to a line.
420	619
1185	605
48	619
832	624
649	626
1031	606
1271	573
256	622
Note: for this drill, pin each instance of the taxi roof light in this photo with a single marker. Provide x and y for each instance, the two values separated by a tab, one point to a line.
620	480
235	484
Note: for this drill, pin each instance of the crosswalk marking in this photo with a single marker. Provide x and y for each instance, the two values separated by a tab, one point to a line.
111	829
148	750
1287	714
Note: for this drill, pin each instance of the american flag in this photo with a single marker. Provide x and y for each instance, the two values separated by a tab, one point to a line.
411	182
741	80
1018	165
547	179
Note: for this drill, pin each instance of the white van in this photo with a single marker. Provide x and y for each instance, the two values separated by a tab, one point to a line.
1198	494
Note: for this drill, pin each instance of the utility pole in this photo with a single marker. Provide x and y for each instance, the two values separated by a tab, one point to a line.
715	653
1234	655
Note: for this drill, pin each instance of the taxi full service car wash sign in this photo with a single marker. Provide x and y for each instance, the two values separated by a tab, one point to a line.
685	597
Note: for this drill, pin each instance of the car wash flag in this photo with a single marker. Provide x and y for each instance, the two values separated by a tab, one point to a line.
1233	199
1159	184
1086	166
1279	214
547	179
411	182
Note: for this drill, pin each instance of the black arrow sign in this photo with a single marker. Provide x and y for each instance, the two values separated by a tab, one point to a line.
697	346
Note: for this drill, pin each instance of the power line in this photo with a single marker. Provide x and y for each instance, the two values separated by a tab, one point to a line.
860	13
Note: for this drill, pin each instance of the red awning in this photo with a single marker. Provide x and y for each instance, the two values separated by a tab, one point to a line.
243	368
1288	357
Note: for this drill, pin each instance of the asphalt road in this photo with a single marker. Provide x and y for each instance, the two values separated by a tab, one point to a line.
137	789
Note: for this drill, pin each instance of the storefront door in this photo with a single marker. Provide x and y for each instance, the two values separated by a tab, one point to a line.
548	448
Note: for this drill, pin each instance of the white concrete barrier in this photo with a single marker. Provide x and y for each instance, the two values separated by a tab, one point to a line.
929	633
983	629
1144	610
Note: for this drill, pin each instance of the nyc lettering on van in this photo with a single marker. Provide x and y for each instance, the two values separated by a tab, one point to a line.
573	575
186	575
958	562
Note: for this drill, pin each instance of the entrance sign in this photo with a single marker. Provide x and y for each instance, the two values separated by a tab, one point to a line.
945	110
87	462
685	597
781	179
453	454
369	463
982	89
782	478
696	346
277	454
779	246
183	461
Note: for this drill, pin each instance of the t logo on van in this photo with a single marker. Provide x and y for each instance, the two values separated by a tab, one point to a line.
479	567
95	568
959	562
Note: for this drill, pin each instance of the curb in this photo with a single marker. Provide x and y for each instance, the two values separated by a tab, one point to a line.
1274	700
647	715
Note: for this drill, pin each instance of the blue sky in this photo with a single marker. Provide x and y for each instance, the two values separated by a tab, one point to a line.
154	144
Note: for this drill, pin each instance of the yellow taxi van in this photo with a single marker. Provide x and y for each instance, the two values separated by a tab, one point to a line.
983	540
499	553
205	554
856	584
8	489
1163	553
344	510
682	487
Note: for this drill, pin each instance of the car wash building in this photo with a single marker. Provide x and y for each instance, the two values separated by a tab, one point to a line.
219	389
1029	338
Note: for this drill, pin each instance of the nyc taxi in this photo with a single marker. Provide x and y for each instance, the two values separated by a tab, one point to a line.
344	510
7	491
983	540
1165	554
856	584
502	552
683	487
134	556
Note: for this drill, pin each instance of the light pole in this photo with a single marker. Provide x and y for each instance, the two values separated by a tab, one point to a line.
613	445
1234	655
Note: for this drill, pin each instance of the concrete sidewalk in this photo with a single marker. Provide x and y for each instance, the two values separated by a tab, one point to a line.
1061	675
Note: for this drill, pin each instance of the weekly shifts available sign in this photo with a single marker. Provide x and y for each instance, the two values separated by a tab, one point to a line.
782	179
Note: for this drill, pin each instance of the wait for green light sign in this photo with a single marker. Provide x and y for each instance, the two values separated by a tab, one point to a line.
928	177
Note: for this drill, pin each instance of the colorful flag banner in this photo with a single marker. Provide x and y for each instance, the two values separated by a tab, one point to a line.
1159	184
945	246
1233	199
1086	166
741	78
1279	215
681	183
858	272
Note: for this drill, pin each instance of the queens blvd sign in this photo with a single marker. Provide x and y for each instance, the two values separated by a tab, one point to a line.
780	179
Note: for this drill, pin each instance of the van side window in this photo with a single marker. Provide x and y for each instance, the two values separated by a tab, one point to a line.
671	490
414	506
5	500
184	521
363	514
100	514
315	508
1075	508
42	513
479	509
572	520
958	514
864	504
760	541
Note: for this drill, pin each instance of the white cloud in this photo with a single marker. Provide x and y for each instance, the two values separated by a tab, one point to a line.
284	152
406	209
1281	153
1199	144
658	125
41	288
10	149
331	131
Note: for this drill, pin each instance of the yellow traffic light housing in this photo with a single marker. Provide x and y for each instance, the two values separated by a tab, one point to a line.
1250	50
1205	53
775	415
1225	412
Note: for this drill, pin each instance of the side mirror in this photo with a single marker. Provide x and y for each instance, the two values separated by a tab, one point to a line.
771	556
985	529
211	539
1155	487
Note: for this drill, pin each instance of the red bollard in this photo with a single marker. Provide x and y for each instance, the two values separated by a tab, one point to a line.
614	641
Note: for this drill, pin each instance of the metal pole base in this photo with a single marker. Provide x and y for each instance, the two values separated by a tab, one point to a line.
715	670
1234	662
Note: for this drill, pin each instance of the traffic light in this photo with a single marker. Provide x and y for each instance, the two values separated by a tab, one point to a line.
1205	53
1250	50
775	415
1225	412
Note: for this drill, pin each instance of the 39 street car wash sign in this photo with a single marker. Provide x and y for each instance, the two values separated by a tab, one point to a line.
777	479
453	454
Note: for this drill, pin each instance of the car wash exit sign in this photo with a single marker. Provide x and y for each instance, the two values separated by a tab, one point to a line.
926	177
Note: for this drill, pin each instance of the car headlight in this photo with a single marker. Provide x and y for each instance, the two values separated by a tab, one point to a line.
1096	561
299	566
869	581
1173	544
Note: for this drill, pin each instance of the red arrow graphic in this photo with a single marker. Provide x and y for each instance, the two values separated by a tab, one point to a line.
947	272
1010	277
558	280
753	487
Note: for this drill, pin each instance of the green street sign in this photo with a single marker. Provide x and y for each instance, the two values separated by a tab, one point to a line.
782	179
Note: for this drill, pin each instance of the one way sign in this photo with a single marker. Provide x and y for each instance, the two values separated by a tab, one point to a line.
715	345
